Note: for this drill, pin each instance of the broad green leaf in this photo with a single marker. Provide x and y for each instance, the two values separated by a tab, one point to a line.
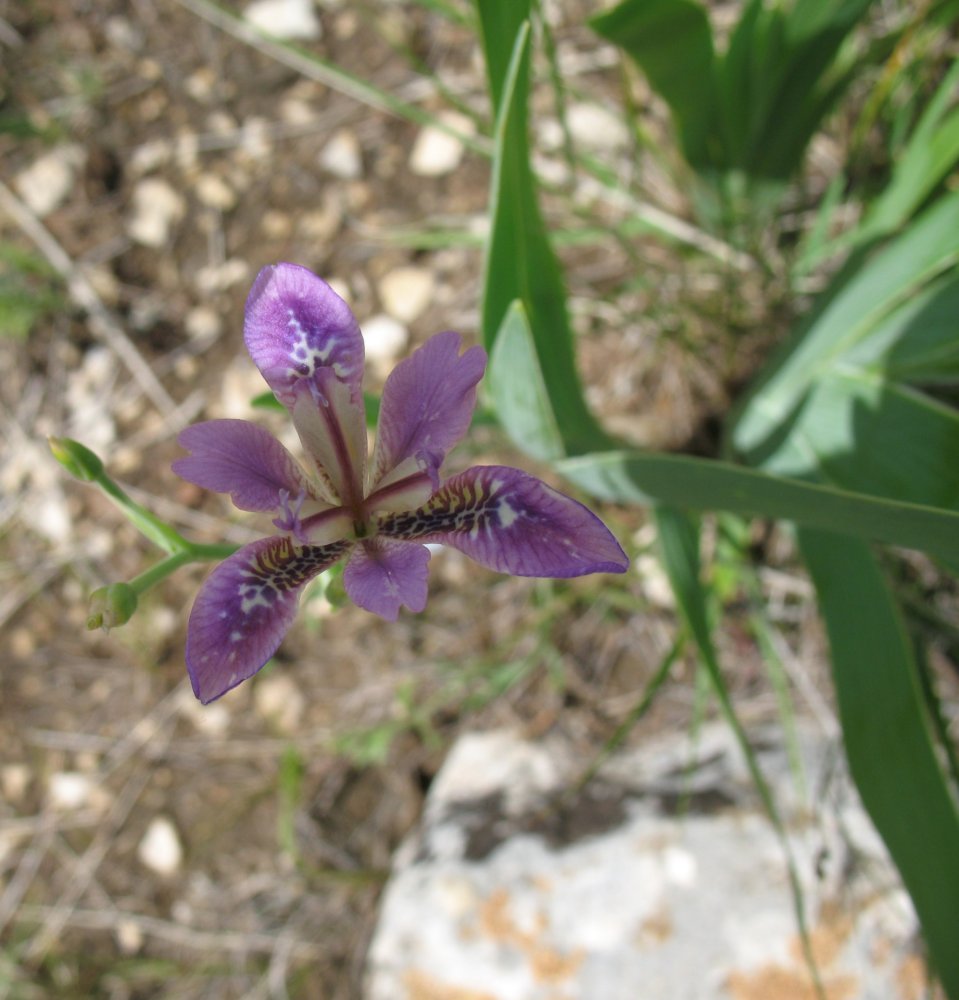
518	393
780	67
888	739
849	399
794	79
520	263
703	484
672	42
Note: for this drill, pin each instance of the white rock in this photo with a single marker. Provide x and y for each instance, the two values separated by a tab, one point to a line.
406	292
278	699
436	152
45	184
160	849
157	208
385	339
341	156
285	18
597	128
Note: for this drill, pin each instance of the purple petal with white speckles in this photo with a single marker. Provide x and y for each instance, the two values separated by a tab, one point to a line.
514	523
427	405
244	609
295	323
383	575
239	458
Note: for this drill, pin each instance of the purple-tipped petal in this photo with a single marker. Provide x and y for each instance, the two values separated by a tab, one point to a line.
514	523
427	406
383	575
242	459
244	609
295	324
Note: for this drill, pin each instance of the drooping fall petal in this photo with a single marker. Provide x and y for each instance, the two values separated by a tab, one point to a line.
245	607
242	459
514	523
427	406
296	324
382	575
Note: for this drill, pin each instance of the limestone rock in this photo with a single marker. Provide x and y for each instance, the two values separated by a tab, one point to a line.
662	878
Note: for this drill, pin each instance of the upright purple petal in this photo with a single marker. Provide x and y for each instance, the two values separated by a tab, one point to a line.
245	607
427	406
239	458
514	523
295	324
382	575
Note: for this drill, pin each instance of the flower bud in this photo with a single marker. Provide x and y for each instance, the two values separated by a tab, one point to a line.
112	605
76	458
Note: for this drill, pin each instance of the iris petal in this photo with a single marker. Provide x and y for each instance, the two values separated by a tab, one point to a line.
245	607
239	458
332	427
427	406
295	325
514	523
383	575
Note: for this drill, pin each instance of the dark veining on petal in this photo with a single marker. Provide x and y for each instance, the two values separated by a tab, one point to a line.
475	508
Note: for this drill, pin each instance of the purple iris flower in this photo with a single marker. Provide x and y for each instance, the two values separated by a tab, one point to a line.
378	512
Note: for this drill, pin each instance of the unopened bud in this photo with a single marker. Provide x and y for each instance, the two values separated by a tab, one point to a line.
76	458
112	605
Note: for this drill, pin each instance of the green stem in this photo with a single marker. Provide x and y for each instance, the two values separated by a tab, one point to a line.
193	553
155	530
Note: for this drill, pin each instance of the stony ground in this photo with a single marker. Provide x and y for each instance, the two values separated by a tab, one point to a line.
150	847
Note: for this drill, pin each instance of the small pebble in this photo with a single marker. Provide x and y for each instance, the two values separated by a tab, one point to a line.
597	128
436	152
160	849
70	790
157	208
278	699
47	182
285	18
341	156
385	339
406	292
214	192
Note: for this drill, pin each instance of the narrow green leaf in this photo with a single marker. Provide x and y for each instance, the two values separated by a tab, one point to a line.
517	391
703	484
500	23
930	154
678	534
888	741
520	263
893	309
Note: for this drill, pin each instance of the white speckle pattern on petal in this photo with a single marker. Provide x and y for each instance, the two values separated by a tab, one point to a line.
295	324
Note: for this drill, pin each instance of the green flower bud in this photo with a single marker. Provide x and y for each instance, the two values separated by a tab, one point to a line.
112	605
76	458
